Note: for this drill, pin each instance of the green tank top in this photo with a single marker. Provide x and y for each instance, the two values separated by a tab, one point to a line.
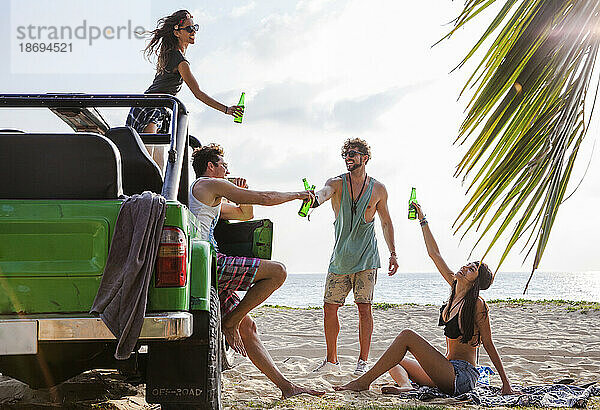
355	246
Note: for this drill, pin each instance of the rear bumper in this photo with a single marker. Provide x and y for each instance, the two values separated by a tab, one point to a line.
21	334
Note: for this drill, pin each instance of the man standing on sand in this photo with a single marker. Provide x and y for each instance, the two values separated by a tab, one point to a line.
355	198
259	278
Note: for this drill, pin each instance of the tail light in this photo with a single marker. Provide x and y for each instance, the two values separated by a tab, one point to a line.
171	263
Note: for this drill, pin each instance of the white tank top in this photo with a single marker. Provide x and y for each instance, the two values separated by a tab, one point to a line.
208	216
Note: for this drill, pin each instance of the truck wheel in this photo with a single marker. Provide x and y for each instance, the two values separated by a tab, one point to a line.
226	356
187	374
215	340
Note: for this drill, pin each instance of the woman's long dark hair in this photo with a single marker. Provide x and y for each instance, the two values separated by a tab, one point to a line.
163	40
467	312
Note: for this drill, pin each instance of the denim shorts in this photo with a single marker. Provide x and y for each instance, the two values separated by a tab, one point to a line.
466	376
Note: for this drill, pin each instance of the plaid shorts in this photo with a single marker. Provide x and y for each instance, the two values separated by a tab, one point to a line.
140	117
235	273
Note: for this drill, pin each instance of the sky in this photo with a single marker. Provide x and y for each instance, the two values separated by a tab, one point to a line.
315	72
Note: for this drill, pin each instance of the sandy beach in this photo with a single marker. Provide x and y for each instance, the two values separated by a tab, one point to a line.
539	344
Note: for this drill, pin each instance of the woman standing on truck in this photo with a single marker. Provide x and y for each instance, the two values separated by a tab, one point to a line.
169	43
466	326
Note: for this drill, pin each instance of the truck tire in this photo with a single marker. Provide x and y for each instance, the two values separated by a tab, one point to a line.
190	365
226	356
213	377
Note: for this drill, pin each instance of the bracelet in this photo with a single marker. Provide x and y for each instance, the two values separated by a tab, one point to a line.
423	222
226	109
393	255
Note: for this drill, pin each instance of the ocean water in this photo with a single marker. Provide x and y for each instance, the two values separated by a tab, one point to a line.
304	290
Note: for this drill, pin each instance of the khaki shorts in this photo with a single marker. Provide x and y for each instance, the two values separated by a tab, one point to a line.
361	283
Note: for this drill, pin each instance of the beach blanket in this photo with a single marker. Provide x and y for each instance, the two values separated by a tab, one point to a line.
554	395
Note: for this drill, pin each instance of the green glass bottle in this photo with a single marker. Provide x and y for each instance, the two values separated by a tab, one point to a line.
241	104
412	211
306	204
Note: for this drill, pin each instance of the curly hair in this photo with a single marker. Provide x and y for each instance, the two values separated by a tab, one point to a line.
163	41
358	143
202	156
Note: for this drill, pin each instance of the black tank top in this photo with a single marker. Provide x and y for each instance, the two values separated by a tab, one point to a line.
169	81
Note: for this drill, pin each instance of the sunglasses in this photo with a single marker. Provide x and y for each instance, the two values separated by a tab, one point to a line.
223	164
190	29
351	154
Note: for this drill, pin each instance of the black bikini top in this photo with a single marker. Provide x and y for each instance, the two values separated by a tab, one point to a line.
451	329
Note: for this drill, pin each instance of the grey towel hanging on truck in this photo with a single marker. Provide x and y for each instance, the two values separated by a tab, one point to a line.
123	291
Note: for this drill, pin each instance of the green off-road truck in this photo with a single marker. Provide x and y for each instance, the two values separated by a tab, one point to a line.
60	195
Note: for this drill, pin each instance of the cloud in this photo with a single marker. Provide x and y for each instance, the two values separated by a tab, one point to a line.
275	167
283	33
293	103
360	114
301	103
242	10
288	102
202	16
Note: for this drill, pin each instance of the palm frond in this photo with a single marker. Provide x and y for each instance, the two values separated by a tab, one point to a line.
526	118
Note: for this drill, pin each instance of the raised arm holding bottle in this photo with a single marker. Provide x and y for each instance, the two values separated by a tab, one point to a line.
465	318
168	43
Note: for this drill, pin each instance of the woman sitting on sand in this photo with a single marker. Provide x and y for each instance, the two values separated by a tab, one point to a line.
466	326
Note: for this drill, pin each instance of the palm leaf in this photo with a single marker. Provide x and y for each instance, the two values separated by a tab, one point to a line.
525	120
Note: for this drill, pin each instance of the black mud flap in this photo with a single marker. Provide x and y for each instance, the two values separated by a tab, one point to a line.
171	379
187	373
249	238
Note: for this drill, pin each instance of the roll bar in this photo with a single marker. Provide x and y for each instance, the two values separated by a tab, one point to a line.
79	104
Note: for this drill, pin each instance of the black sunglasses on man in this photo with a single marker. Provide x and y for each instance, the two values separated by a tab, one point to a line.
351	154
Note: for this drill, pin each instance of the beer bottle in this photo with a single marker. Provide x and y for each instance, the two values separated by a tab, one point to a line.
412	211
241	104
307	202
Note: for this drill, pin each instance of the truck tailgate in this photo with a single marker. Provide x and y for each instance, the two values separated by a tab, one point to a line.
52	253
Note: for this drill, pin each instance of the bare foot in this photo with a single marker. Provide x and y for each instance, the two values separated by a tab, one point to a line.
396	389
232	335
296	390
354	385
